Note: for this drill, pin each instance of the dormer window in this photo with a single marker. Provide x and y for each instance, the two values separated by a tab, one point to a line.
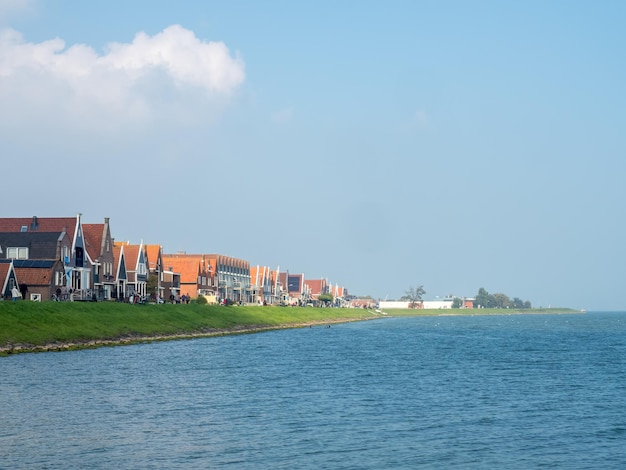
19	252
24	228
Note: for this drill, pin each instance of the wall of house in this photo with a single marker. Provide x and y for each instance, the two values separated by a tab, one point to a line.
383	304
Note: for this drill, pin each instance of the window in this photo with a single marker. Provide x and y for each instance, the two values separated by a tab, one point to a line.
20	252
79	261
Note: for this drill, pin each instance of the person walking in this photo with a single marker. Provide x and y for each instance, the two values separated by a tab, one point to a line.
15	293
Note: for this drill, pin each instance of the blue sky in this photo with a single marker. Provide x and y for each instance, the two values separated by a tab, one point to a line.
381	145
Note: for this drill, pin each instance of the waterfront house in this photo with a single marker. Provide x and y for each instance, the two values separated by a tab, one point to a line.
120	292
136	269
99	248
40	279
297	289
76	263
193	271
317	287
261	285
154	262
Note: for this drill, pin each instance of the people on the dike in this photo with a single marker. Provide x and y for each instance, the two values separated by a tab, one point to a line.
15	293
24	290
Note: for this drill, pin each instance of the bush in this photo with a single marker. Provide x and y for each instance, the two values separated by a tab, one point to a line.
201	300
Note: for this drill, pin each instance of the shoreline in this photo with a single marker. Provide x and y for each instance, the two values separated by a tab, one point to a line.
9	349
23	348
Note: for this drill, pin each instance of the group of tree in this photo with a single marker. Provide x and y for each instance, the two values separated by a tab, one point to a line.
483	299
486	300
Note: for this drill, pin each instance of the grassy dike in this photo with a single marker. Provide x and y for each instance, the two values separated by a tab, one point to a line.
51	326
57	326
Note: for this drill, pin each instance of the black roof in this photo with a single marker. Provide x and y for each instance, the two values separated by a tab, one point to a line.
31	263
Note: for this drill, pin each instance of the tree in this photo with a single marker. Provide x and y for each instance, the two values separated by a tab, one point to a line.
486	300
457	302
501	301
326	298
482	298
152	284
414	296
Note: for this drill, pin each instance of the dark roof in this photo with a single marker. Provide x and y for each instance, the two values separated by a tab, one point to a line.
39	244
31	263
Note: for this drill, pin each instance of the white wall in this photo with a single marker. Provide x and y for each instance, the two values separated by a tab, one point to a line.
404	304
437	304
393	304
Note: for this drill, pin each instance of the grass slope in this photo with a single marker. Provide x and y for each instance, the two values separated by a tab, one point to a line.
35	324
29	326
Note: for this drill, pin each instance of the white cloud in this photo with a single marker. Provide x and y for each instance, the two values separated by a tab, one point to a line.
150	75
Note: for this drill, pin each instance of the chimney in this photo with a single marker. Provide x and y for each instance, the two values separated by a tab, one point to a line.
34	224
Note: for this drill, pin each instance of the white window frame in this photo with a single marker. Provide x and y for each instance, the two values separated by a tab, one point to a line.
17	252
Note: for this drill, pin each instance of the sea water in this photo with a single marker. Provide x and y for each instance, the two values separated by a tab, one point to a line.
506	391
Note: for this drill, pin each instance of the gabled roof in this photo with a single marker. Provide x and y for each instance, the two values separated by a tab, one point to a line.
188	266
260	275
338	291
152	253
39	244
39	224
131	255
282	279
316	286
119	264
4	274
93	235
6	269
34	276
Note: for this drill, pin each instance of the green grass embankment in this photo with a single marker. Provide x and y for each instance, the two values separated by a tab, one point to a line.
32	326
46	326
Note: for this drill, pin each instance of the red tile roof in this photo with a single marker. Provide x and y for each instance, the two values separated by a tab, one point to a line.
316	286
34	276
43	224
131	256
4	271
93	234
152	252
188	266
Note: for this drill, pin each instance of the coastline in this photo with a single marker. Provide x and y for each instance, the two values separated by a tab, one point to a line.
22	348
54	327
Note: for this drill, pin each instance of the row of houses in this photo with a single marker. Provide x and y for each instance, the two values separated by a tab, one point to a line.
62	258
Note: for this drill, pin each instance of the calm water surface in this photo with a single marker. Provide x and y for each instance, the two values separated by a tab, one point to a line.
519	391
